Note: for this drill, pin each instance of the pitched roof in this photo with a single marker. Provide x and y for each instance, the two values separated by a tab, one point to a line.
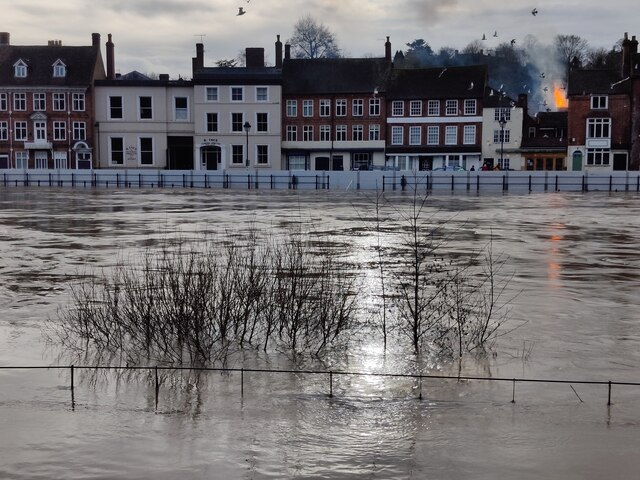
324	76
80	62
440	82
238	75
606	81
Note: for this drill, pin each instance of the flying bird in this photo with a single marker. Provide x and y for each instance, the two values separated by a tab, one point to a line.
534	12
442	72
513	42
495	34
470	86
545	89
491	92
484	37
542	75
241	11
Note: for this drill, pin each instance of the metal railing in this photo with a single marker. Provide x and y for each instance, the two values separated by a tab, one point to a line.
154	371
433	182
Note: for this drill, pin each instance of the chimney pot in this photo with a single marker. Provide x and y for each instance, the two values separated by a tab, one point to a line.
278	52
111	66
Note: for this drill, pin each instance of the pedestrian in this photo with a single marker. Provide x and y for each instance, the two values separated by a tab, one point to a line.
473	168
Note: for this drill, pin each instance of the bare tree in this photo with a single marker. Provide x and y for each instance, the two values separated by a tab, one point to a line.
571	48
313	40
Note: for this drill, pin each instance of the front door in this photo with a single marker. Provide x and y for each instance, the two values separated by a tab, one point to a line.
211	157
577	161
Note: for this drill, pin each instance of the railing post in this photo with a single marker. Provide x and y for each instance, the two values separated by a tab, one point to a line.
513	394
609	398
157	387
452	183
271	180
529	183
73	401
477	183
242	382
610	183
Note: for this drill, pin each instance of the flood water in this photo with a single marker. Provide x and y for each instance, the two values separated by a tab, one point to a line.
575	260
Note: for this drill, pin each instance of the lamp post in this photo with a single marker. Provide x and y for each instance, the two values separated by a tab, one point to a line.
247	127
502	122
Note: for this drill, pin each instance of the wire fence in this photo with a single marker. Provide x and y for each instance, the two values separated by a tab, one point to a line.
329	374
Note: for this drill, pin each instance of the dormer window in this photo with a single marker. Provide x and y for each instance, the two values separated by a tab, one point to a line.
20	69
59	69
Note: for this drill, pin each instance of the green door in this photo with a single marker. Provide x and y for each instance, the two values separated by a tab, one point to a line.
577	161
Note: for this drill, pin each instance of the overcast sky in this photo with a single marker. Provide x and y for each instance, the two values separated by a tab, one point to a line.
159	36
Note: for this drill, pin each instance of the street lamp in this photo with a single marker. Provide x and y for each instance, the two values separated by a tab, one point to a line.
502	122
247	127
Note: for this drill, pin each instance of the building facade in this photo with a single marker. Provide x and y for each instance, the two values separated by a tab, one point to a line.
47	104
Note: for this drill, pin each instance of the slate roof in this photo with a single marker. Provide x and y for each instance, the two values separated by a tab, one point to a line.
238	76
586	82
438	83
324	76
81	62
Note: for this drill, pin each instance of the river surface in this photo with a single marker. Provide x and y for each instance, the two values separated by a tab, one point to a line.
575	261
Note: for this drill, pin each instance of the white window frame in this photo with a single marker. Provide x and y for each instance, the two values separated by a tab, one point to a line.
236	126
79	131
397	108
233	91
59	69
415	135
141	108
236	152
307	133
59	102
325	133
20	126
502	112
3	102
22	159
415	108
307	108
39	130
469	135
211	94
341	133
208	124
259	93
20	69
292	108
112	151
451	108
325	107
598	156
502	132
19	102
357	133
598	128
397	135
111	108
599	102
181	114
4	131
451	135
262	126
357	107
433	135
260	156
60	160
470	106
341	107
41	159
292	133
433	108
78	103
39	102
59	131
374	107
374	132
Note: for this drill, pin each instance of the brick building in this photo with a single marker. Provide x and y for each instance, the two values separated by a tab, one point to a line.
435	117
334	112
46	104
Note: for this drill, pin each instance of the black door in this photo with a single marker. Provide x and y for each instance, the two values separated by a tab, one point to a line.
211	157
180	153
619	161
322	163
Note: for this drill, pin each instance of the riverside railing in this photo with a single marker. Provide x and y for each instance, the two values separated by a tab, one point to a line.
330	374
385	180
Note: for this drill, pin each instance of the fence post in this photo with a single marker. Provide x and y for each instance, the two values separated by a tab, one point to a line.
529	183
478	183
242	382
556	182
513	395
609	399
330	384
610	182
504	182
157	387
73	401
452	183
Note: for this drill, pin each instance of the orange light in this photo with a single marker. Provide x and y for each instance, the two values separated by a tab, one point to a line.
559	98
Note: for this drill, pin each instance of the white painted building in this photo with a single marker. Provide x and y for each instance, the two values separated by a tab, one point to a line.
501	141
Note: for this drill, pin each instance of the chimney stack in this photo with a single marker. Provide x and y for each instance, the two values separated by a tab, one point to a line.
254	57
629	50
197	62
387	50
4	38
111	66
523	102
95	39
278	53
287	51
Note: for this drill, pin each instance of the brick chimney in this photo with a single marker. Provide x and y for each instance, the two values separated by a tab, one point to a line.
387	50
4	38
197	62
111	66
287	51
254	57
278	53
629	50
95	39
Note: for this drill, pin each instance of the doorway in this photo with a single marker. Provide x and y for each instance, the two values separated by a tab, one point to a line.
211	157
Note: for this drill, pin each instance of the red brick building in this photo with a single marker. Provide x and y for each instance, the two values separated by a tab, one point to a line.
46	104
